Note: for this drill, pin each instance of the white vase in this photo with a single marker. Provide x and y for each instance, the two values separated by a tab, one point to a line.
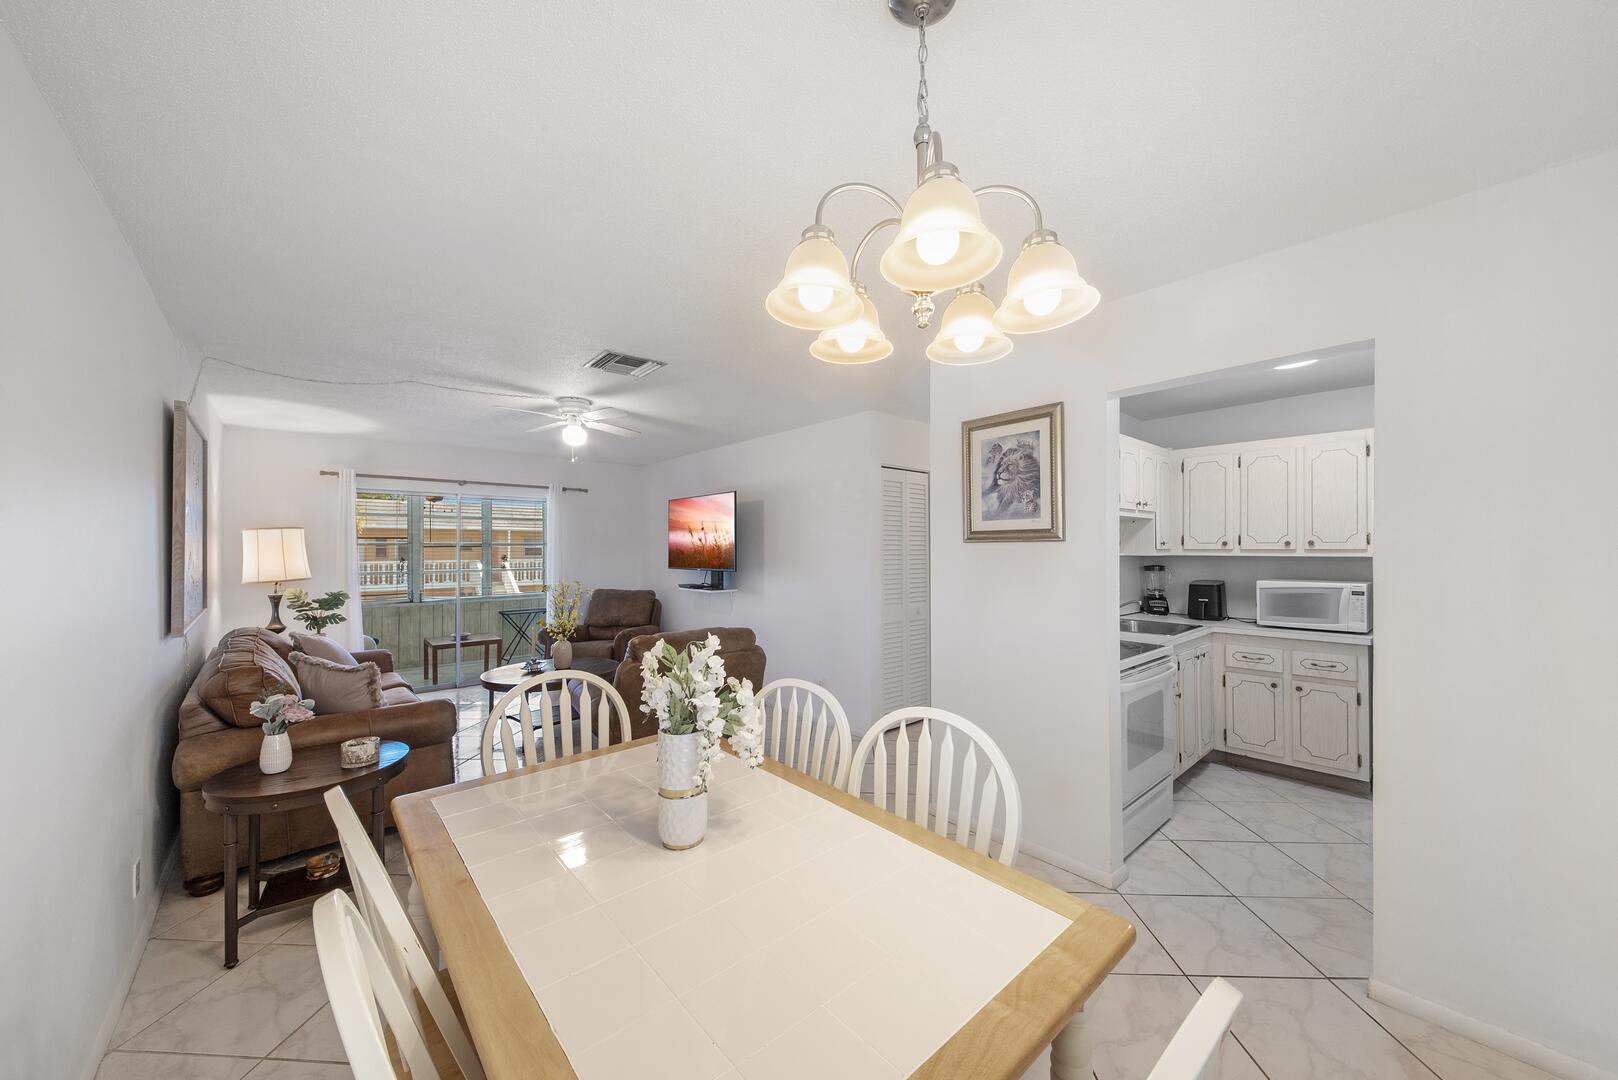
562	654
682	810
275	755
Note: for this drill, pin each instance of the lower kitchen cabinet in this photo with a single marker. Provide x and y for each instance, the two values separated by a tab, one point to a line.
1319	720
1255	715
1198	721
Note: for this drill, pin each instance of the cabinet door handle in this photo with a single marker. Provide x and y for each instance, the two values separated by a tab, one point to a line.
1274	685
1300	689
1311	543
1224	543
1288	543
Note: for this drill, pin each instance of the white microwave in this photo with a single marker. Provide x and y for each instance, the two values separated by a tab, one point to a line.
1316	605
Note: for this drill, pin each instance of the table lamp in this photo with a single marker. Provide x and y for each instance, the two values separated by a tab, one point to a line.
274	555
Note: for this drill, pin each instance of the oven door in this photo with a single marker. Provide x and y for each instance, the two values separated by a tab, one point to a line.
1303	605
1151	725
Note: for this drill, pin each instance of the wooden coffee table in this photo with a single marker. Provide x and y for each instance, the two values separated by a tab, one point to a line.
431	647
244	791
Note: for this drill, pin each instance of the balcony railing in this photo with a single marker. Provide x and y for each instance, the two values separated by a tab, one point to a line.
382	579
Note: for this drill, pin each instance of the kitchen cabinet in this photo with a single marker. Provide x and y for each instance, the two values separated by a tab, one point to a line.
1129	455
1269	498
1168	502
1255	715
1325	725
1197	713
1149	458
1209	502
1336	494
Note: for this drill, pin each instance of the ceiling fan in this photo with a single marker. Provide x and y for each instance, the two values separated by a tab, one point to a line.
576	418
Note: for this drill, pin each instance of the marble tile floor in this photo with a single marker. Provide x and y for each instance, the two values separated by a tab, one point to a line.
1267	882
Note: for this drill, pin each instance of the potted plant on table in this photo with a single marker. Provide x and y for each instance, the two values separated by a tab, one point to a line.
277	711
563	608
315	614
696	706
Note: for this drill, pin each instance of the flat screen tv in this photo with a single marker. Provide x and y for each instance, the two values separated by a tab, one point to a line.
702	532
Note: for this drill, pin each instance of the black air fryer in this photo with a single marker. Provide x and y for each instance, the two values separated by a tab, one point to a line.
1205	600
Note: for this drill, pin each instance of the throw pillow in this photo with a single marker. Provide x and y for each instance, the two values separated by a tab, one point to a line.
240	671
338	688
325	648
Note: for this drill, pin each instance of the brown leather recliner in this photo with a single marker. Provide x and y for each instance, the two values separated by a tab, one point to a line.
612	619
738	646
217	732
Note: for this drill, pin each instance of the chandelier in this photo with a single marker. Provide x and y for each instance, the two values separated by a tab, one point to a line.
941	244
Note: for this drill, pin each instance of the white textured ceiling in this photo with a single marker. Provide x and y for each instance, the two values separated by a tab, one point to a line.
489	193
1339	368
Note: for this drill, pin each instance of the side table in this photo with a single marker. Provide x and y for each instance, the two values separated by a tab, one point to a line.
245	792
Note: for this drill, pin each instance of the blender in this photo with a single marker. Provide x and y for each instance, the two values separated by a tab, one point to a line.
1155	587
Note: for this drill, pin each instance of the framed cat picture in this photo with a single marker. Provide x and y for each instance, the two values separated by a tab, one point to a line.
1011	469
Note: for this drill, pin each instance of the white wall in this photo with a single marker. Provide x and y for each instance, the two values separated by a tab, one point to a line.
90	371
807	521
1240	573
1282	418
1494	743
273	478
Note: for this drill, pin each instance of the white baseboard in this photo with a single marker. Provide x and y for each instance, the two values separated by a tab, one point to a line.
126	977
1109	879
1496	1038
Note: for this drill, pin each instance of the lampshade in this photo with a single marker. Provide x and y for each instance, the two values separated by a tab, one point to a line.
814	293
873	346
1044	290
941	213
967	334
273	555
573	434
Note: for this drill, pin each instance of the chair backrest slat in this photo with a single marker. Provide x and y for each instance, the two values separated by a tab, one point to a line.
597	715
1195	1046
806	728
978	804
358	981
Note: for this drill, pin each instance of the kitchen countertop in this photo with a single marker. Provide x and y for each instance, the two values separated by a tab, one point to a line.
1226	626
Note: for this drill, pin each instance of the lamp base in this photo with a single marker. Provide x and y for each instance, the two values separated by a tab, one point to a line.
905	10
275	624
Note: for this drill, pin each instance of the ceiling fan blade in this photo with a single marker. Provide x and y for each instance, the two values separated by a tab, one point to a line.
603	414
548	427
611	429
534	412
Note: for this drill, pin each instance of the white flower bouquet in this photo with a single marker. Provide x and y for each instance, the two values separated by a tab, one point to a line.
689	694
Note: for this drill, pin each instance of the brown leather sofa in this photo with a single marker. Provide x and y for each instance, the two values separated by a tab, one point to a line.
217	732
612	618
737	645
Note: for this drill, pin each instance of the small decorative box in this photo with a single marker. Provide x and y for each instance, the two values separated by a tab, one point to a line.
358	753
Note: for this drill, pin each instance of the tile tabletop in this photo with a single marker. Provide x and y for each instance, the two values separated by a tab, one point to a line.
803	926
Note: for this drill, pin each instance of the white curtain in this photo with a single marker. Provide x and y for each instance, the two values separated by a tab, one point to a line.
553	536
348	633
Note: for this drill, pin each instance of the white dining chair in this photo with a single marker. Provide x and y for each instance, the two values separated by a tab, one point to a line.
392	931
1190	1054
805	728
976	804
556	690
358	984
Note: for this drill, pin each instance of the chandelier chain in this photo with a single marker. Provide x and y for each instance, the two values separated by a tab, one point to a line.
921	61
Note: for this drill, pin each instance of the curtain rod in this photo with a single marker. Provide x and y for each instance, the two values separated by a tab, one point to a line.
458	483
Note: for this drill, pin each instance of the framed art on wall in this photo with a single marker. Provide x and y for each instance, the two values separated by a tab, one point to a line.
188	523
1011	471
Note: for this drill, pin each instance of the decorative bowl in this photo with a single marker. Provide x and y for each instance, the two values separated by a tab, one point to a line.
360	752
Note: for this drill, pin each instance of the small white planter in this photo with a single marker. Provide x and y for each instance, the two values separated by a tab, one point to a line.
682	810
275	755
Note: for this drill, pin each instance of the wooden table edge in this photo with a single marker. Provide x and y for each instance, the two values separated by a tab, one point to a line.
1031	1009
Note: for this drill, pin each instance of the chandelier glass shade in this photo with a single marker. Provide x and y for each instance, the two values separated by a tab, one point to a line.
859	342
967	334
941	244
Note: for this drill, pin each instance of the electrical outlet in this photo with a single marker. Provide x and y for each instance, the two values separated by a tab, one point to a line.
134	882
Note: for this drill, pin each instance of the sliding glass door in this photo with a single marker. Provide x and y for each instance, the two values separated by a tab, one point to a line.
451	583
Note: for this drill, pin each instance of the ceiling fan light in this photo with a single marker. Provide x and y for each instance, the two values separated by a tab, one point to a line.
1044	290
814	293
967	334
830	345
574	434
940	221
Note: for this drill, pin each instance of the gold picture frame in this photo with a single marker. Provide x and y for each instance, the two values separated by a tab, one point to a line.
188	522
1011	475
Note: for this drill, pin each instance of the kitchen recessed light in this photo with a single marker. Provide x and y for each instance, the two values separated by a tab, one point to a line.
1297	364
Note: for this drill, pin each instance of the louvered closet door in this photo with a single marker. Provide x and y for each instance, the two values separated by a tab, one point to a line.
906	609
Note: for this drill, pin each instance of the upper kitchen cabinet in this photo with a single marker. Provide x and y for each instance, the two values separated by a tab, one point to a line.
1129	455
1208	502
1168	502
1269	498
1336	493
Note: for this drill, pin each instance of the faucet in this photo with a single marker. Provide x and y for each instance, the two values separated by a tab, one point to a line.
1127	603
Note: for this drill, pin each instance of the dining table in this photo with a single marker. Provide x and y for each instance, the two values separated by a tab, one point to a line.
810	933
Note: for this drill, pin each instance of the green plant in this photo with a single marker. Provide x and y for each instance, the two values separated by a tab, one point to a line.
316	615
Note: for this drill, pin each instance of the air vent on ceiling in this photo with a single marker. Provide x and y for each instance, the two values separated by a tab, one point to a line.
636	367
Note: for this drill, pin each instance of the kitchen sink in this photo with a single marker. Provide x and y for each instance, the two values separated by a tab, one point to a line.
1161	629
